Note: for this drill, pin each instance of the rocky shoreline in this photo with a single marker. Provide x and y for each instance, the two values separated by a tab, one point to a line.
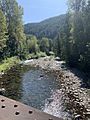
75	97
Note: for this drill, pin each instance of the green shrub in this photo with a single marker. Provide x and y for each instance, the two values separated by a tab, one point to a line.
8	63
41	54
36	56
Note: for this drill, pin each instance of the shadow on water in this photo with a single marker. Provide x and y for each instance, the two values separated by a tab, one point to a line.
34	87
29	85
11	82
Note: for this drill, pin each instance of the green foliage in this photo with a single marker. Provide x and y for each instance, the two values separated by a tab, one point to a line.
36	56
69	34
32	44
8	63
35	46
44	45
79	34
47	28
41	54
3	37
16	37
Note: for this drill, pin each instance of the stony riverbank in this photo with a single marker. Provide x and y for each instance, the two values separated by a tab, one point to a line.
75	97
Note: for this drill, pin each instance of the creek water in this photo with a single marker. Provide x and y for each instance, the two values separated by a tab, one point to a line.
36	88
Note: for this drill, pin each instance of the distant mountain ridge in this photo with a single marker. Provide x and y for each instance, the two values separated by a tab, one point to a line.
47	28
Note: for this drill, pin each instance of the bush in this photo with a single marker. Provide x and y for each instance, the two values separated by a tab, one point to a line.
41	54
8	63
36	56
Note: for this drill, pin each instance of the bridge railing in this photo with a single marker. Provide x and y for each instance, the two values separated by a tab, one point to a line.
13	110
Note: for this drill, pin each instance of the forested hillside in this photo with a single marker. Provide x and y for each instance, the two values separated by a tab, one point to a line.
68	35
47	28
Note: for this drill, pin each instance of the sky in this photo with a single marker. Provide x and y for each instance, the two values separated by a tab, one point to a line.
38	10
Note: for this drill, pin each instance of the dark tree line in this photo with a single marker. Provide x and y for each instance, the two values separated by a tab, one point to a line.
75	36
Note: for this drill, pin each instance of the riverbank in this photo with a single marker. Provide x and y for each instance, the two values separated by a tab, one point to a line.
75	96
8	63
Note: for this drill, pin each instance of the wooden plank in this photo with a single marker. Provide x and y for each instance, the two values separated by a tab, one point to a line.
13	110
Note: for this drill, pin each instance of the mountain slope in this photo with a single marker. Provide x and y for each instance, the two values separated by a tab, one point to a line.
47	28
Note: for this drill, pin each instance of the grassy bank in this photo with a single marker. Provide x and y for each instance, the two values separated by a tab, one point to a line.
8	63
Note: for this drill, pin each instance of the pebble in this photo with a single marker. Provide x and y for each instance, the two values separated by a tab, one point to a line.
78	117
70	84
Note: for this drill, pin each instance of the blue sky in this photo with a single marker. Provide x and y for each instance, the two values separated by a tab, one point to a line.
38	10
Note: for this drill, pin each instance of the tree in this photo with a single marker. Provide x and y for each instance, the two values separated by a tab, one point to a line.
32	44
3	36
50	45
79	21
44	45
13	13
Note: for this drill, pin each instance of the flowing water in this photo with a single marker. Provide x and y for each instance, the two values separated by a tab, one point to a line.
36	88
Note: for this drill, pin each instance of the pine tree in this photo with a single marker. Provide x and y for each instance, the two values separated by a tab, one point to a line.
3	36
13	13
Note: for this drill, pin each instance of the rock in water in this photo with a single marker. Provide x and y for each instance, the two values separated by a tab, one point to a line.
2	91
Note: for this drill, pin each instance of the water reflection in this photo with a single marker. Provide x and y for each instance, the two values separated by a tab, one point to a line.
31	86
11	82
34	87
